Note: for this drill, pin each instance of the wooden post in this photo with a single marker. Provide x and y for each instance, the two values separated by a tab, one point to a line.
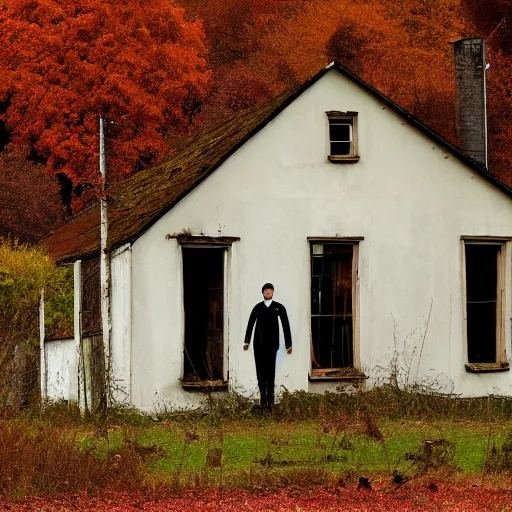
77	328
104	267
42	352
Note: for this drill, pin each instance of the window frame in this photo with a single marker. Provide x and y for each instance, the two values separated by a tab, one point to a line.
349	118
502	302
345	373
90	294
208	242
71	334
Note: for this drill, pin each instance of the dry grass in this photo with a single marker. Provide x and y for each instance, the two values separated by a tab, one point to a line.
38	460
331	439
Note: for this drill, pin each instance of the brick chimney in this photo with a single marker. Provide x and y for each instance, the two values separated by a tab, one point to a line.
471	97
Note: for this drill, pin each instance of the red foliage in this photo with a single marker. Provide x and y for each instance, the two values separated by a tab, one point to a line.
258	49
493	23
65	62
142	65
312	499
30	200
395	46
499	113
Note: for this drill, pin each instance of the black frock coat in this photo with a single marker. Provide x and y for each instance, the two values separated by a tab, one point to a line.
266	333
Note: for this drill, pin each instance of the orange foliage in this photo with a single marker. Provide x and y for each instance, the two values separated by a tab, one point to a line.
142	65
492	21
402	47
499	114
65	62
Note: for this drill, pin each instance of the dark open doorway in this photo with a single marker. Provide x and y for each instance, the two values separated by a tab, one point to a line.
203	281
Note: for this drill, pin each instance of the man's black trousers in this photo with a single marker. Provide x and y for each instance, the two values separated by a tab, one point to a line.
265	359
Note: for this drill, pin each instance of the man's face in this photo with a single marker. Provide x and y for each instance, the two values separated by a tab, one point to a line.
268	293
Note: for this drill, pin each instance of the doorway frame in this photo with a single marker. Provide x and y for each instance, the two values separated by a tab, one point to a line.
208	242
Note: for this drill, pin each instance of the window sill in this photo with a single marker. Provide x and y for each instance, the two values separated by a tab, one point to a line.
343	159
336	374
204	385
487	367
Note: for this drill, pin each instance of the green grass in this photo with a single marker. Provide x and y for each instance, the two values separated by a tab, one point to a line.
270	446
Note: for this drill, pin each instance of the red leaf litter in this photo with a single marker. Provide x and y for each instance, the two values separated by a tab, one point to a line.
408	498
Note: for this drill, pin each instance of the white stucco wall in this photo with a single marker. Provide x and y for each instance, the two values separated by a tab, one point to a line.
61	380
408	198
121	324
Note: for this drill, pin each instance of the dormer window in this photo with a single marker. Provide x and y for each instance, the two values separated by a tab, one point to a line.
343	136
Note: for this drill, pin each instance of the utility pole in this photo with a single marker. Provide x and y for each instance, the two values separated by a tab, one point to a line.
104	269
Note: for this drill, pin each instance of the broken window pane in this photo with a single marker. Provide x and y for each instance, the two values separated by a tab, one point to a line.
318	249
318	263
481	301
326	294
315	295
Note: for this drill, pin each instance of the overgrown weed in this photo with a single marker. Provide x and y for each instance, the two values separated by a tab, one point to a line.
46	460
58	450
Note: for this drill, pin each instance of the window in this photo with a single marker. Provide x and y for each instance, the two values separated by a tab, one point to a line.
333	307
91	297
343	137
484	305
203	299
58	305
92	355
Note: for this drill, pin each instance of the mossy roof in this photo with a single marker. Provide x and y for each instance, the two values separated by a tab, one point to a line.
137	203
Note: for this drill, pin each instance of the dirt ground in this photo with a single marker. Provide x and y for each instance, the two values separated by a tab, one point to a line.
422	497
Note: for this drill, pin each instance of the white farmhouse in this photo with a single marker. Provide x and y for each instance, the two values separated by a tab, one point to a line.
389	247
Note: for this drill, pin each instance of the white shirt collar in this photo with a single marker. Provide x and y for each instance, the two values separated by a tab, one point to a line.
267	302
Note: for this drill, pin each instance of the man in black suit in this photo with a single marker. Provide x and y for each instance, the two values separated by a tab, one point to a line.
266	342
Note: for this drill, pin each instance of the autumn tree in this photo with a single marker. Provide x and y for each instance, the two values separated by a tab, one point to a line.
226	24
402	47
29	198
395	49
499	113
494	26
63	63
233	29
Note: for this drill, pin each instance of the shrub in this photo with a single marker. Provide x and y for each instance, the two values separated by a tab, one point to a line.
24	270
